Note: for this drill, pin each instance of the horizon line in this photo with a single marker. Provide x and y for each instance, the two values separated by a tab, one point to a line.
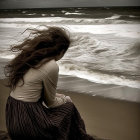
65	7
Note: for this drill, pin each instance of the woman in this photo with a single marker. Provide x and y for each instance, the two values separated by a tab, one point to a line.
34	110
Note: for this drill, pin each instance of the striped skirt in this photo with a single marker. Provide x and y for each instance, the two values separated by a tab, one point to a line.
32	120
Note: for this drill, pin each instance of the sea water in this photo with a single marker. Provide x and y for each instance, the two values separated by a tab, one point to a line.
105	42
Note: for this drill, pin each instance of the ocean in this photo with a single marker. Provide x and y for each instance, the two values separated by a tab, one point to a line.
105	41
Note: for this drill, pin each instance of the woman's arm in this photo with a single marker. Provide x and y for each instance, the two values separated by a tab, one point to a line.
59	95
51	98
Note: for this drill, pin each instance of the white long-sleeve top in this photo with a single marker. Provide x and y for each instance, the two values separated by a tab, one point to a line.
37	81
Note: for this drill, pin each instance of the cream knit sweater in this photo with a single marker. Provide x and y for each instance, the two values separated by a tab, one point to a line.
38	81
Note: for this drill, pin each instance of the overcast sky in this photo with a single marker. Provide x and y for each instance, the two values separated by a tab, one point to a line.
12	4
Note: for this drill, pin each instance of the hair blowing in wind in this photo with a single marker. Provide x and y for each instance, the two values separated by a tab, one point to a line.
33	52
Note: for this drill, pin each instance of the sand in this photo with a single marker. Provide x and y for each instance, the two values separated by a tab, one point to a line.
104	117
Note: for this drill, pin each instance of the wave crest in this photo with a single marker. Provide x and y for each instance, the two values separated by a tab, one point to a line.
134	51
97	77
62	20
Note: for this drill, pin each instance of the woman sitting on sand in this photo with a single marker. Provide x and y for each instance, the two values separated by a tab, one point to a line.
34	110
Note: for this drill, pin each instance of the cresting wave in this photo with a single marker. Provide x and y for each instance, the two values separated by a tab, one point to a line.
64	20
133	51
129	30
68	13
97	77
93	76
114	17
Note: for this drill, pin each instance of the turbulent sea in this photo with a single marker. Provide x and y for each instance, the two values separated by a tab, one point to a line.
105	42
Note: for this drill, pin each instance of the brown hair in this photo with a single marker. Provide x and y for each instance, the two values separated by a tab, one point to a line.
45	45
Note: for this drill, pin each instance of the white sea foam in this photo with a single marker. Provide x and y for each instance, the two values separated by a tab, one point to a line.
114	17
52	15
63	11
14	25
31	14
62	20
68	13
7	56
97	77
132	16
24	12
31	20
43	15
121	30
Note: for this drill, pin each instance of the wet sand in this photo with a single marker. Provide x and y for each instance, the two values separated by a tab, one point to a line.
104	117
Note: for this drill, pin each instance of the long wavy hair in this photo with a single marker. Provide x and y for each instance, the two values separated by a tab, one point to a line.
33	52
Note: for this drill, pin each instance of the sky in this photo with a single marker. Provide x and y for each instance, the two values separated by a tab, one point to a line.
17	4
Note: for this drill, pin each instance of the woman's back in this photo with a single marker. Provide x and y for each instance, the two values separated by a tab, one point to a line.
33	82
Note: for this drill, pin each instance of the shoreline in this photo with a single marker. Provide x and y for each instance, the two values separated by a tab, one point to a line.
78	85
104	117
108	118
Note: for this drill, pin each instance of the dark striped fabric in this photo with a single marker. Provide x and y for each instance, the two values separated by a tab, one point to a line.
31	120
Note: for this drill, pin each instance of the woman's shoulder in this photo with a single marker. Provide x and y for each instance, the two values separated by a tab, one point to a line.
49	67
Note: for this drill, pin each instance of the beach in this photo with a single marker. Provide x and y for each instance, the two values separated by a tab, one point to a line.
107	118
